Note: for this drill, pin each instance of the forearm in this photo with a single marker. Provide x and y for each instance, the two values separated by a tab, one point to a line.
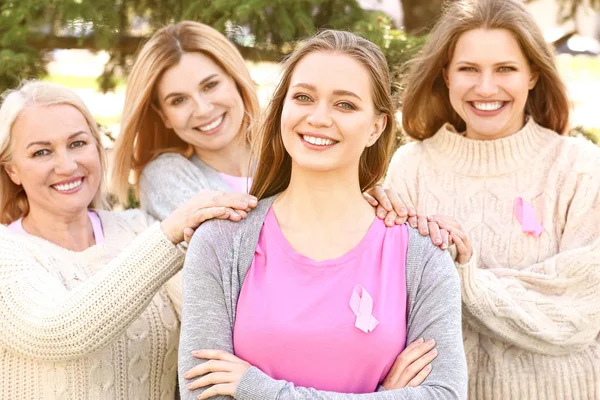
256	385
40	319
550	307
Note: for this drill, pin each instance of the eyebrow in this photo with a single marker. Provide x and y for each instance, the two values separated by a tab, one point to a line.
496	64
337	92
202	82
48	143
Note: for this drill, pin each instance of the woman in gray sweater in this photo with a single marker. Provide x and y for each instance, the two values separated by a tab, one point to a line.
311	296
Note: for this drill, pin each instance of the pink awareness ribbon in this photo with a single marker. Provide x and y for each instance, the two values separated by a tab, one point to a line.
361	303
525	213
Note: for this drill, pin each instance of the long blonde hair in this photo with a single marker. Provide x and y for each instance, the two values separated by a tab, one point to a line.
143	134
275	164
13	199
425	100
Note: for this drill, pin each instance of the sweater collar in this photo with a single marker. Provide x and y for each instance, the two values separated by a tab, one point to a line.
486	158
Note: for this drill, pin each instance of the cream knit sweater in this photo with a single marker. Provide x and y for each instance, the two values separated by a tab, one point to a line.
95	324
531	306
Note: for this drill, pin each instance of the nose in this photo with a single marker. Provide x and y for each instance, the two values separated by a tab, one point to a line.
65	163
202	105
319	117
486	85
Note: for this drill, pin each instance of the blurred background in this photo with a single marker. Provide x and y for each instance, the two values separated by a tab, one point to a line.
89	45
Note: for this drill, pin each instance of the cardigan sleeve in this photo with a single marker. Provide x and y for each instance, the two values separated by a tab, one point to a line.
208	320
550	307
41	319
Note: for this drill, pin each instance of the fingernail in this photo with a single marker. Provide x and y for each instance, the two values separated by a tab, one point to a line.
189	385
438	241
420	340
253	201
431	341
187	375
388	205
434	351
195	353
444	246
243	205
402	210
381	214
428	367
413	211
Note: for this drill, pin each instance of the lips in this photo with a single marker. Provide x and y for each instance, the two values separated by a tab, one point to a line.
211	125
318	141
69	185
487	105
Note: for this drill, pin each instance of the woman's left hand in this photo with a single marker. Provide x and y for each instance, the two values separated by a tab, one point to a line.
223	371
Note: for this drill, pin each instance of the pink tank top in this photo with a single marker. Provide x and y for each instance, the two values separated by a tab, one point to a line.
294	317
240	184
17	226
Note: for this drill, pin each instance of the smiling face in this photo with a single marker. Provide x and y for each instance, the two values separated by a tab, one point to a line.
489	80
328	117
55	158
201	103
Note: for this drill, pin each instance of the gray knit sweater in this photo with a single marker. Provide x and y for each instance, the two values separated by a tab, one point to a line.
170	180
216	264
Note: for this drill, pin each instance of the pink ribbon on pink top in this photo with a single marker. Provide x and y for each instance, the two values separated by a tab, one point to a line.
361	303
525	213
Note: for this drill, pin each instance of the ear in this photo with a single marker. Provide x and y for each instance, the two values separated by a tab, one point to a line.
445	76
162	116
12	173
533	79
378	129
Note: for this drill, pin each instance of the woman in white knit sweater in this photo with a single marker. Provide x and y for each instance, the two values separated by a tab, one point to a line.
487	109
84	313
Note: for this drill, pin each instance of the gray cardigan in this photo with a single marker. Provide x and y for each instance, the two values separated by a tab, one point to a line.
170	180
216	264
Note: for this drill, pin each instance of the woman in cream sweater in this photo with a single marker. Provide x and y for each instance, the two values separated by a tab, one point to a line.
487	109
84	313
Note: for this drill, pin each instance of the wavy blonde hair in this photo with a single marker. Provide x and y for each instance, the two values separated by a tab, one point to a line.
425	99
274	162
143	135
13	199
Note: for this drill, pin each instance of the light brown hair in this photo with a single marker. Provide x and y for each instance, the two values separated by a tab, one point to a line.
274	163
425	99
143	135
13	199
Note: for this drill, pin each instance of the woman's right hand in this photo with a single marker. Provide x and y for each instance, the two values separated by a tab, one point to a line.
412	366
205	205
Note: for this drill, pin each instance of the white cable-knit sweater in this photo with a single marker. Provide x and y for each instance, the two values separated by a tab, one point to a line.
531	306
95	324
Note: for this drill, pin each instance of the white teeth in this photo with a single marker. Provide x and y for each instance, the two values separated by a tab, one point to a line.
68	186
488	106
318	141
212	125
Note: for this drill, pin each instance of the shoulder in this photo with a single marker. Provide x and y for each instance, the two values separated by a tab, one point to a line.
167	163
580	154
424	259
217	236
405	162
128	221
409	151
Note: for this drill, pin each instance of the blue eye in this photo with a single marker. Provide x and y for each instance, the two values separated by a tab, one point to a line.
41	153
302	97
78	143
347	105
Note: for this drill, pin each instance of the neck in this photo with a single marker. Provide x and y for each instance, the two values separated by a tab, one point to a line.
233	159
322	199
73	232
